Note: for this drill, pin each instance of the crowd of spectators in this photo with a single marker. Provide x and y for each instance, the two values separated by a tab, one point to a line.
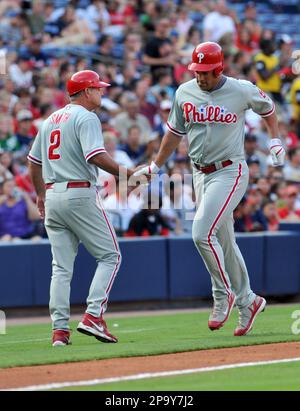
142	48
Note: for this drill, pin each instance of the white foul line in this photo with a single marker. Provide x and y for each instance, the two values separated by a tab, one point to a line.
126	331
148	375
24	341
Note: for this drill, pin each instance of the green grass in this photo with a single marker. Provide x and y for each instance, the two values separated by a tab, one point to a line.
273	377
31	344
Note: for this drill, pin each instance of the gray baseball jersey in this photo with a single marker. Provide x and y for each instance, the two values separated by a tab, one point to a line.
65	143
214	122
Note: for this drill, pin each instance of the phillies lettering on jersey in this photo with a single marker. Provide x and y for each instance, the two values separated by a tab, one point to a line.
210	113
214	122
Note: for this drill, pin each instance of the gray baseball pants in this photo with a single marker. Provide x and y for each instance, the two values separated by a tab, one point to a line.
73	215
217	195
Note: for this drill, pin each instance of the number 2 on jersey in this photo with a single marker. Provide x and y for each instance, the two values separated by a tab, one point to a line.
54	145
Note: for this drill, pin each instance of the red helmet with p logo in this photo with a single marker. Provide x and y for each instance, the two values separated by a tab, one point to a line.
207	56
84	79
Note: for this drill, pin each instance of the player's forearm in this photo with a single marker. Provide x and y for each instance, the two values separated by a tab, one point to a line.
272	125
35	173
169	143
108	164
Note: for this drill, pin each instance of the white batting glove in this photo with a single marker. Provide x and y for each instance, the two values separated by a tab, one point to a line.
147	171
277	152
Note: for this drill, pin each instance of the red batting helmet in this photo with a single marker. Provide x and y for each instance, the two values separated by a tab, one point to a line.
207	57
84	79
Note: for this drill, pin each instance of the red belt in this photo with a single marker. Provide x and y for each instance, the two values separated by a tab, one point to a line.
71	184
212	167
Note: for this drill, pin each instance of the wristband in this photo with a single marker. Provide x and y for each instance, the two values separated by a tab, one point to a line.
275	142
154	168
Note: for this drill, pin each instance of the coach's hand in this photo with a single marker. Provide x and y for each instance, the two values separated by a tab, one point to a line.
277	152
40	202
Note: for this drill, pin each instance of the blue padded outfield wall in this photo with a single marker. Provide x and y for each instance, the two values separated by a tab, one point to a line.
151	269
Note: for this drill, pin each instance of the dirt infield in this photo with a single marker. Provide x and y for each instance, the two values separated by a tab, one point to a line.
117	367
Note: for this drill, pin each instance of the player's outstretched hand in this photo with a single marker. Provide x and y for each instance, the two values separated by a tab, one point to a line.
144	173
277	152
146	170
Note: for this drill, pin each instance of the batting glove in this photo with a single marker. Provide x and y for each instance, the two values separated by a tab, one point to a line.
147	171
277	152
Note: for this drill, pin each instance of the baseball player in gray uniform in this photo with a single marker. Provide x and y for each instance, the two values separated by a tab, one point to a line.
63	165
210	110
